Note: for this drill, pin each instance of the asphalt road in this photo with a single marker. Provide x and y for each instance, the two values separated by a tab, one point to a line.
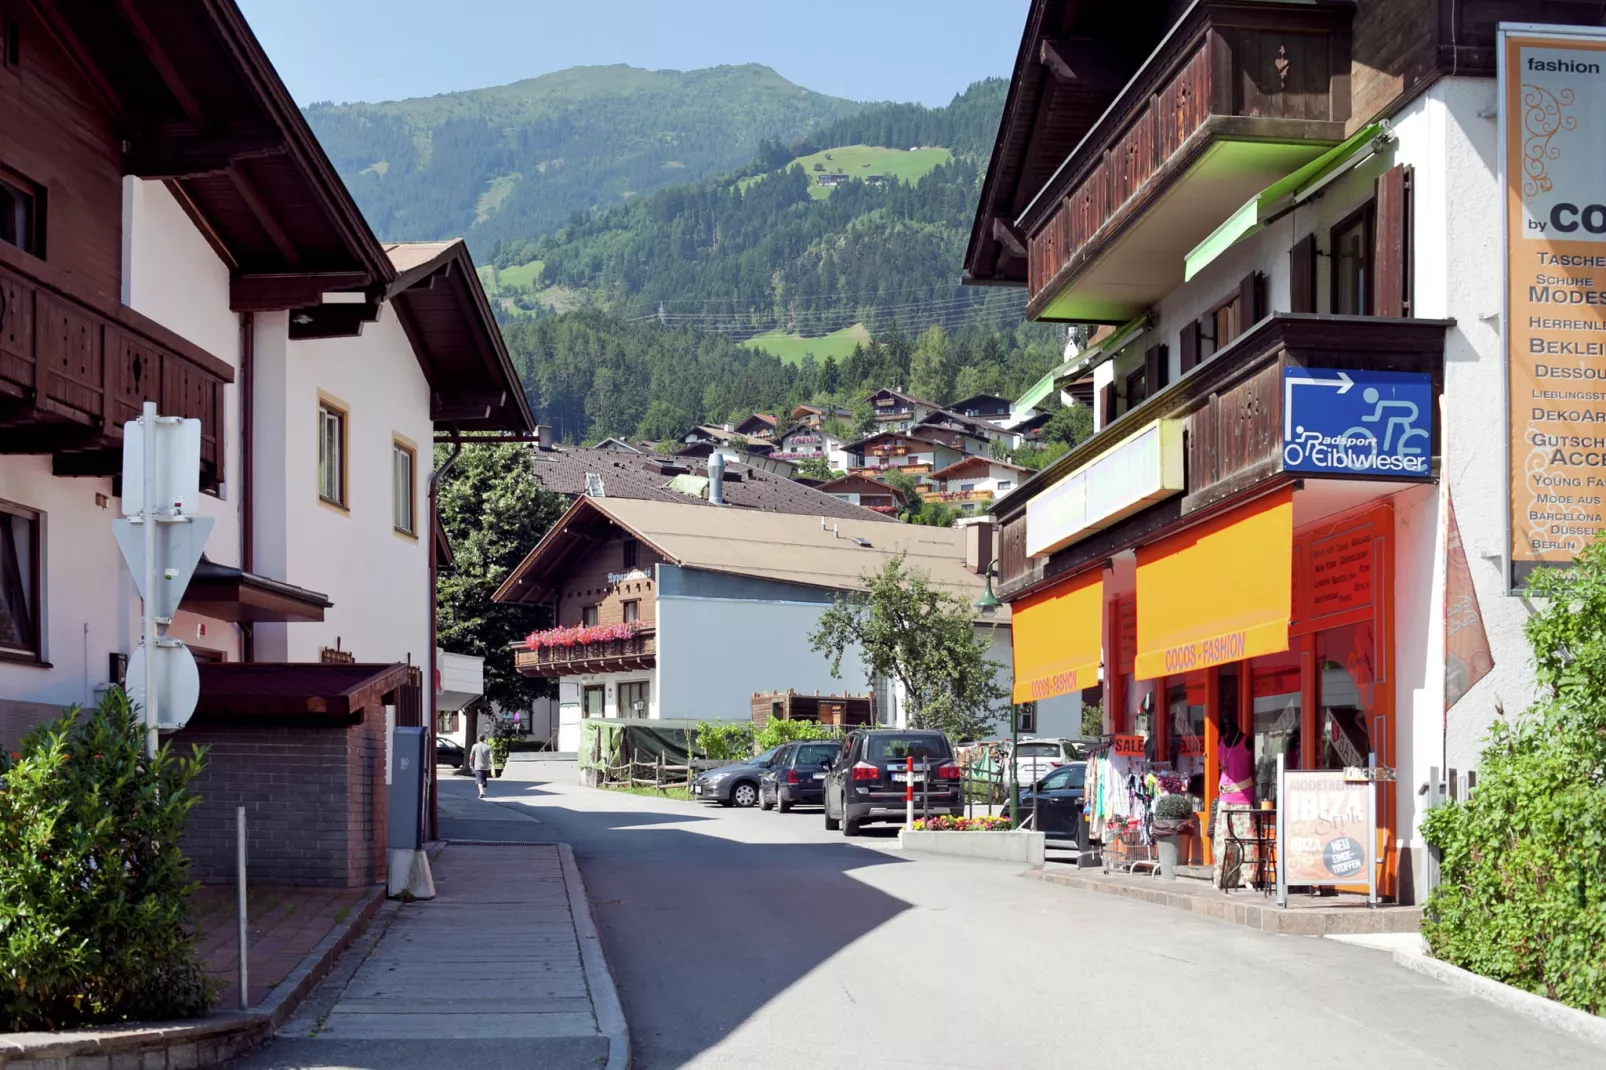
743	938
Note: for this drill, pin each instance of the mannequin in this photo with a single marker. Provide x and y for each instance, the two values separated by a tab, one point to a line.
1235	793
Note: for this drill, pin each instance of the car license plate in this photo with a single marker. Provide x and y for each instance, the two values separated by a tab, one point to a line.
819	776
904	778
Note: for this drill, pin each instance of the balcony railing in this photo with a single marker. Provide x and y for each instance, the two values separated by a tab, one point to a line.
72	372
1228	72
639	651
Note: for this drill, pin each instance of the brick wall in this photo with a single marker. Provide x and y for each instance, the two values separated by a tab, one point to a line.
314	799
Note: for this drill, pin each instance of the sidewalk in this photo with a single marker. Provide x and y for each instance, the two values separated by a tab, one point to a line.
503	968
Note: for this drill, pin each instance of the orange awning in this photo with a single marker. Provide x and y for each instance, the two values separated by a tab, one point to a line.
1218	592
1058	638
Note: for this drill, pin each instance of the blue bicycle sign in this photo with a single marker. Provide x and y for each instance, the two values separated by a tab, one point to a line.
1357	422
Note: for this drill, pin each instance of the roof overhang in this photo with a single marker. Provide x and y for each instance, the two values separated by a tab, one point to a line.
1145	257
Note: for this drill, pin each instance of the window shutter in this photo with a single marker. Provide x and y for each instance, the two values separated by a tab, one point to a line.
1392	255
1189	348
1302	275
1156	374
1251	305
1106	405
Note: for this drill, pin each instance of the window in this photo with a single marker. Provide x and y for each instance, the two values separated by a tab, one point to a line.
628	552
21	215
633	698
588	616
1351	245
20	582
632	610
403	461
332	454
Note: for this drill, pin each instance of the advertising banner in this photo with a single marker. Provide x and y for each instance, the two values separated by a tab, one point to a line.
1553	116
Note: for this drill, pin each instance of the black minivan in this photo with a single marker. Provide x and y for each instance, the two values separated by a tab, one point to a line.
797	778
871	775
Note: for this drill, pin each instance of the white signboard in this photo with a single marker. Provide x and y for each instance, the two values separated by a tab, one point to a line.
1143	469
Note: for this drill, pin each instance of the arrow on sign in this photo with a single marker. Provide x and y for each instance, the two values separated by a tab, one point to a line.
1343	383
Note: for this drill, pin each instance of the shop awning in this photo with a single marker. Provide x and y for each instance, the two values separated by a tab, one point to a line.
1217	592
1278	198
1059	638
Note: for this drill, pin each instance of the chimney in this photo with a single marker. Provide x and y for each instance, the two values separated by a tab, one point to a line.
979	544
716	478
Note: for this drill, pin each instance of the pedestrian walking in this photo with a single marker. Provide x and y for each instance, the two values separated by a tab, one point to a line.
479	760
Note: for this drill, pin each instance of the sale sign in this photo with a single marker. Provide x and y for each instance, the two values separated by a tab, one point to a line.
1326	825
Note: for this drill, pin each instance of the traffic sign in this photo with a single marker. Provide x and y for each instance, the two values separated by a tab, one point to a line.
178	683
178	465
178	551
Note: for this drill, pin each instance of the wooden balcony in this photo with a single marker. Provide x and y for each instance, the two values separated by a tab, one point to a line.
1237	96
73	370
1231	408
640	651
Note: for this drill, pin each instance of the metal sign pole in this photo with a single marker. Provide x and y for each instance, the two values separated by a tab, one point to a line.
148	518
1282	835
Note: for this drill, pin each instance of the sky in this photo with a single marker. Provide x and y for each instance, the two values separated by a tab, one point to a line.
905	50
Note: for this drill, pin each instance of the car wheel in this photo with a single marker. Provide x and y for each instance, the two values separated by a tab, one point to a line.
850	827
744	794
831	823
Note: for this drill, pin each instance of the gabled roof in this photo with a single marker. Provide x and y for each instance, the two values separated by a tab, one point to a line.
443	309
564	471
776	546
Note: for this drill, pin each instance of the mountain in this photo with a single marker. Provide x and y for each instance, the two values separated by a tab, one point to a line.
859	225
519	160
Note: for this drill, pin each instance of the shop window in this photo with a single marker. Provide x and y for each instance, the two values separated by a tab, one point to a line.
20	583
627	551
593	700
632	610
1351	245
1345	696
1278	703
588	616
633	698
21	211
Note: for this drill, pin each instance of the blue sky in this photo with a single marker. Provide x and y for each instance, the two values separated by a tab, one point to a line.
920	50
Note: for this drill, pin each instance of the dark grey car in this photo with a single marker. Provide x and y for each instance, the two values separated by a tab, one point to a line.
734	785
797	777
868	781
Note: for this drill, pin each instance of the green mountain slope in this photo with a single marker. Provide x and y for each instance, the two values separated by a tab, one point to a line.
516	161
768	250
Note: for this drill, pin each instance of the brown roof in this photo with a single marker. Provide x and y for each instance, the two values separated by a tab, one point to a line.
624	475
773	546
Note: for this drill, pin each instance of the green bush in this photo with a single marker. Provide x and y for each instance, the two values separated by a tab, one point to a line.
94	891
1522	897
776	732
725	741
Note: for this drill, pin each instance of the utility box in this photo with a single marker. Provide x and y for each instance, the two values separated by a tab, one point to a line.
407	786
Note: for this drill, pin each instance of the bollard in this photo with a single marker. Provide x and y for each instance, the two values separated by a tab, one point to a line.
239	860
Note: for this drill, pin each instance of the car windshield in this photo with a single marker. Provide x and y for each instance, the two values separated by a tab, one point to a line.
815	753
922	746
1038	750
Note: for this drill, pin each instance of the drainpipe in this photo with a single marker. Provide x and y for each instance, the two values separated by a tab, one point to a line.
248	345
428	698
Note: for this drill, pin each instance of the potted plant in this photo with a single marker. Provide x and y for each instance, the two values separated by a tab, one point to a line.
1173	822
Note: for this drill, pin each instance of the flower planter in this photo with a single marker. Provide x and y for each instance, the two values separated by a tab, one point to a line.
1016	846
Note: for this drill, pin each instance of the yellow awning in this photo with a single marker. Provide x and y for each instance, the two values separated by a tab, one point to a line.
1058	638
1218	592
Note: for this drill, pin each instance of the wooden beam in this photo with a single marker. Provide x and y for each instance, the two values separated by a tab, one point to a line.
165	68
278	291
259	208
191	157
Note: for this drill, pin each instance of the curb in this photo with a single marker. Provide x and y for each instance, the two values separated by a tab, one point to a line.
604	997
1558	1016
205	1042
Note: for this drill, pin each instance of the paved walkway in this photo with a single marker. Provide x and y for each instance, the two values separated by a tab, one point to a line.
498	970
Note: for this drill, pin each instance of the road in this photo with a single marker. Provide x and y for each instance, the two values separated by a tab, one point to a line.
744	938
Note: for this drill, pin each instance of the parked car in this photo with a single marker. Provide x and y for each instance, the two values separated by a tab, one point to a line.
734	785
1036	758
1059	800
797	776
868	779
448	754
